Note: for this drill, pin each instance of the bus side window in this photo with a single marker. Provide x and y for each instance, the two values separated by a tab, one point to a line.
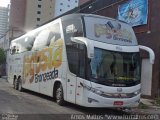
76	58
52	38
41	40
54	34
72	28
47	36
29	41
72	56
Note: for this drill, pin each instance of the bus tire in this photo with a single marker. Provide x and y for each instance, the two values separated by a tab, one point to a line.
16	84
59	95
20	84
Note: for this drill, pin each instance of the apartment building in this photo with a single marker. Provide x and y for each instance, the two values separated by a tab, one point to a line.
62	6
38	12
29	14
3	23
17	18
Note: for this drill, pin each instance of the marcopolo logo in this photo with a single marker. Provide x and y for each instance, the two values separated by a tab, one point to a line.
119	89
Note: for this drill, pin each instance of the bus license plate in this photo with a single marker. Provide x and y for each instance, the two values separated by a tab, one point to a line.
118	103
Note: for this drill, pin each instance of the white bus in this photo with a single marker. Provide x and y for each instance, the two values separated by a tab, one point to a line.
84	59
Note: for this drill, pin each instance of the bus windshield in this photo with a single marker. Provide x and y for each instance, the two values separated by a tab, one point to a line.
117	69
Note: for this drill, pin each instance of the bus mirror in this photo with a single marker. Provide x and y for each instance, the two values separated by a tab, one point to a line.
81	84
87	42
151	53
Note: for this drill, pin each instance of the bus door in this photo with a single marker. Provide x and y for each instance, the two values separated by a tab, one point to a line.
76	62
71	87
72	56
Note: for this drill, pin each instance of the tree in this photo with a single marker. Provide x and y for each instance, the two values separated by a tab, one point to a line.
2	56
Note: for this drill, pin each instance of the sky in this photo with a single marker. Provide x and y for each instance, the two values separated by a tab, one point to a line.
4	3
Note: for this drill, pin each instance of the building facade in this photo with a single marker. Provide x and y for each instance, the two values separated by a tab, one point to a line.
38	12
63	6
4	20
26	15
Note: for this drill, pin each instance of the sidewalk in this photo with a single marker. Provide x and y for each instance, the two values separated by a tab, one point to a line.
4	77
149	107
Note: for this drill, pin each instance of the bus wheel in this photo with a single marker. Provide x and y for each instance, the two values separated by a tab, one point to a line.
59	95
20	85
16	84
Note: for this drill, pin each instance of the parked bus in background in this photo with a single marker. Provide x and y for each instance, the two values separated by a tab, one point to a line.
85	59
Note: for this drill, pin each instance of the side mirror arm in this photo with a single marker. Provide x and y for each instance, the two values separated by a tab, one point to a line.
87	42
151	53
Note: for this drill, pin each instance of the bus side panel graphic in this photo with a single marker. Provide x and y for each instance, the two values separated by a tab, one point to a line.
42	65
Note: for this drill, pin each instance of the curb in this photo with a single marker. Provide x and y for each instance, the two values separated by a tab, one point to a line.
147	111
155	107
4	77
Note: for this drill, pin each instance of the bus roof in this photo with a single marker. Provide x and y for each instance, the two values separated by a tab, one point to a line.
65	17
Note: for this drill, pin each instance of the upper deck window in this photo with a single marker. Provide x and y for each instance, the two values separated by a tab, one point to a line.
72	27
37	40
47	36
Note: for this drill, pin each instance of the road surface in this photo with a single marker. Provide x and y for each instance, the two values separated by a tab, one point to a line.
28	105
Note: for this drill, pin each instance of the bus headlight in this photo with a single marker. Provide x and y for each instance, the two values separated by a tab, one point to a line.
96	91
90	100
137	92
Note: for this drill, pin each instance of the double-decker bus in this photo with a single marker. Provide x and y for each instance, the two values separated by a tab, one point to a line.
85	59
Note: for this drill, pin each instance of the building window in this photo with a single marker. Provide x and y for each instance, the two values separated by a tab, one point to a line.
38	19
60	10
39	0
76	1
38	12
61	3
39	6
68	5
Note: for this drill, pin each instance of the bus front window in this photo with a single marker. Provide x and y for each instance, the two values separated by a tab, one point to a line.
117	69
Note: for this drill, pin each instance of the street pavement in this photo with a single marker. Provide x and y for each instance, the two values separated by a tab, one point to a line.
150	107
28	105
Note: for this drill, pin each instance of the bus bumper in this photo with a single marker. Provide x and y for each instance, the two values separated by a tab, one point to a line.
94	100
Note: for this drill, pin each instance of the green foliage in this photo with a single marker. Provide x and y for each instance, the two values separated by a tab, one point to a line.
142	106
157	101
2	56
